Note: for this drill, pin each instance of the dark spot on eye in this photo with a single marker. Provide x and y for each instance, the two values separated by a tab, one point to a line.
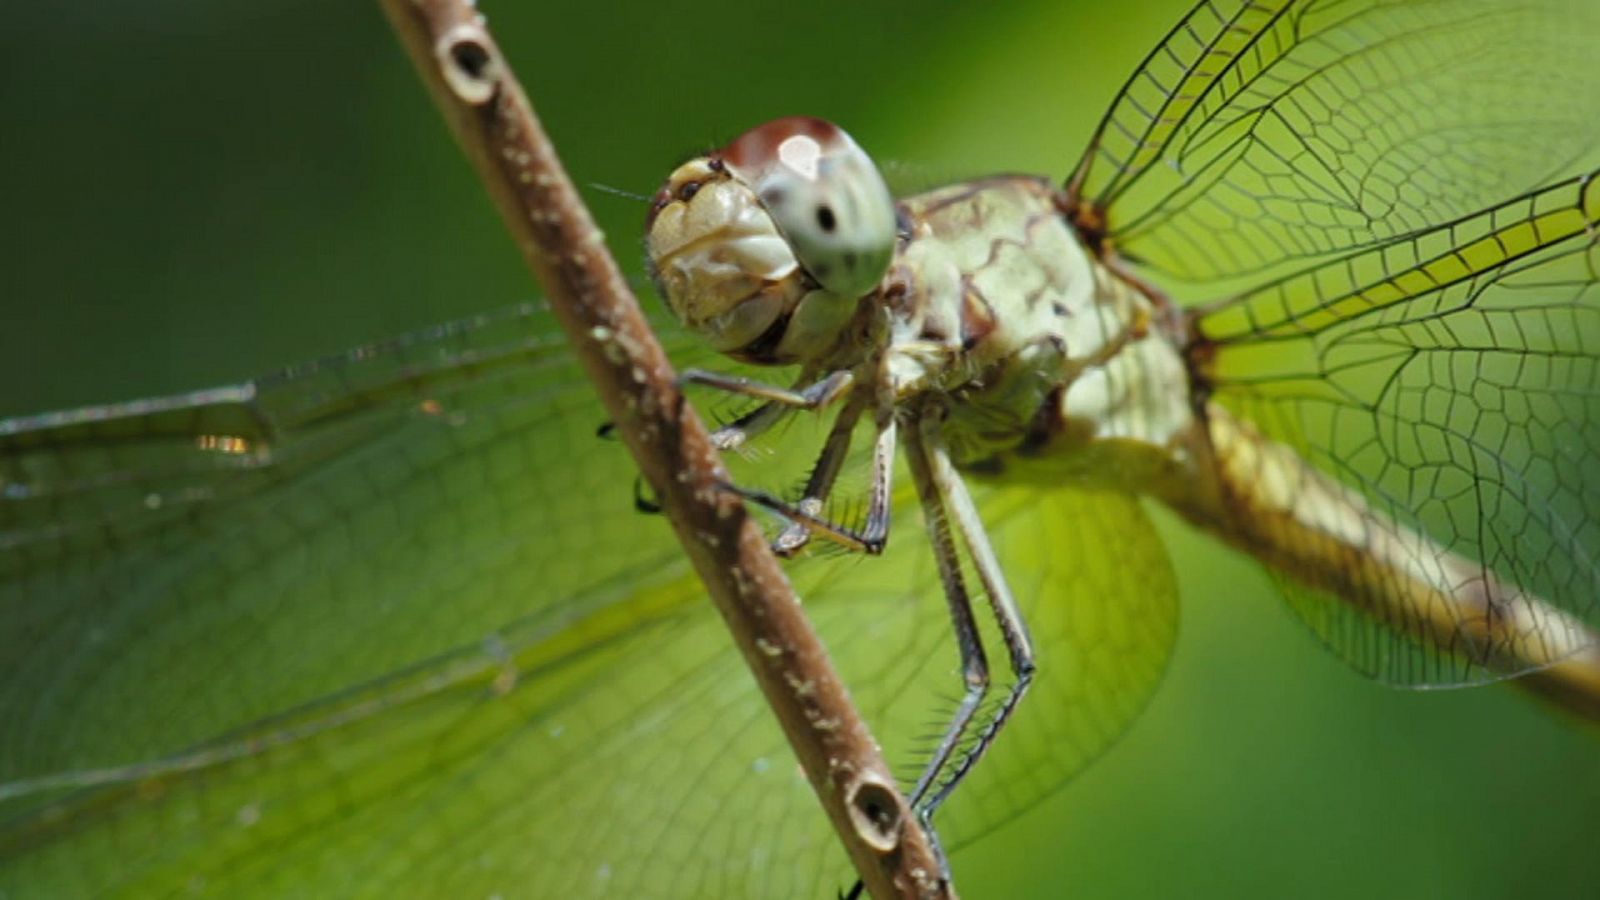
825	219
772	196
849	260
689	189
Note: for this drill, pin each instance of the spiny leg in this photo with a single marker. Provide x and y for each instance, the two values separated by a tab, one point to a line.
823	475
814	396
734	435
974	663
776	400
805	517
1013	630
872	535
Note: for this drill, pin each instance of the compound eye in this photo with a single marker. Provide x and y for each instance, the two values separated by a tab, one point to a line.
826	197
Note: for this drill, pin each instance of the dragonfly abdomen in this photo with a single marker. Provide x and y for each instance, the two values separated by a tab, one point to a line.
1275	505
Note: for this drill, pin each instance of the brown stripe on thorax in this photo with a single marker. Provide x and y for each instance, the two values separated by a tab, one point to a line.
977	315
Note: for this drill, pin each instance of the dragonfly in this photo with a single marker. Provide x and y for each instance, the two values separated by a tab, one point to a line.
1387	322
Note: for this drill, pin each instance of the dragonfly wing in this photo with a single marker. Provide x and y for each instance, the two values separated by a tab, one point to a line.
1452	377
367	489
720	808
76	482
229	580
424	645
389	623
1259	134
1100	598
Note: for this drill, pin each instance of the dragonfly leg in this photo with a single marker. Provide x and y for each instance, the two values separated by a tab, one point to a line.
874	533
968	525
974	662
933	494
823	475
734	435
776	400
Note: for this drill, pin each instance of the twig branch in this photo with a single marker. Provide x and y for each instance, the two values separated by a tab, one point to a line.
490	115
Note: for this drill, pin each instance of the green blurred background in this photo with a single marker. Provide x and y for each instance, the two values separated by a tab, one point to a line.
201	192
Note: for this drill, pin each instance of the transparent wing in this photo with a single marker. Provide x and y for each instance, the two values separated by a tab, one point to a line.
1259	134
1101	601
389	624
79	481
191	583
1453	378
306	517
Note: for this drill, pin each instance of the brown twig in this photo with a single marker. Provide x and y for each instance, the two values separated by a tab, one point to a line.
492	118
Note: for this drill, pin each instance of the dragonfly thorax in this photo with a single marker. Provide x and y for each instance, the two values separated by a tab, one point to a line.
766	247
1035	343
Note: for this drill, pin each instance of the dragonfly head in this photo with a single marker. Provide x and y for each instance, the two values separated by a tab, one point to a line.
766	246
